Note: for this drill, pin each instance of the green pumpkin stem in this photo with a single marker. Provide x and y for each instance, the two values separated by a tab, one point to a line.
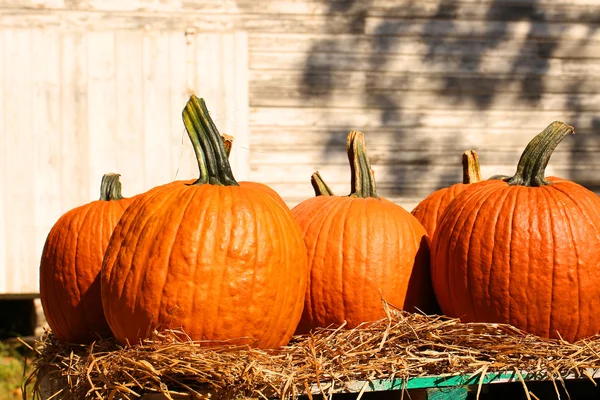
535	157
319	185
362	176
208	145
110	187
471	169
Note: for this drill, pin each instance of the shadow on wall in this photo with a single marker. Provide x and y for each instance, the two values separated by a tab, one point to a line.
453	43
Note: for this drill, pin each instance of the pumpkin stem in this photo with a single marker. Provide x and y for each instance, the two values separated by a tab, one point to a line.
110	187
362	176
319	185
535	157
208	145
471	170
227	142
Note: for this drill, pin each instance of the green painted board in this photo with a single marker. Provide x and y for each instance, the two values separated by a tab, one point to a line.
428	382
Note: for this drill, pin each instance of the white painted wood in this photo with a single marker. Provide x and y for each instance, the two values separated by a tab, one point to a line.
156	101
46	144
223	85
3	168
129	109
102	144
182	64
19	160
86	103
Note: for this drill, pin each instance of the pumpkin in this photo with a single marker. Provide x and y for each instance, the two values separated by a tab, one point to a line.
429	210
522	250
361	248
219	261
71	262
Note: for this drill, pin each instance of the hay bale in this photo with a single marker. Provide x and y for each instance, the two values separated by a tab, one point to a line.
402	346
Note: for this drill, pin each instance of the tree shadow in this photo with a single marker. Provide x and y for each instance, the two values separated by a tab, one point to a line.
460	46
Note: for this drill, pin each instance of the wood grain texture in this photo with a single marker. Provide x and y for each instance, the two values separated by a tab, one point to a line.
288	79
87	103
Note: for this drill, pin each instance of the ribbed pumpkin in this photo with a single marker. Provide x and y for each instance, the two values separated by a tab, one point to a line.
429	210
522	250
361	248
223	262
71	262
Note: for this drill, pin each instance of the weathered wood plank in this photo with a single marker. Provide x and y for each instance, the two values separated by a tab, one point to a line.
426	47
301	24
415	64
129	109
396	179
46	147
19	157
154	131
316	82
342	119
453	140
74	181
498	30
4	167
182	61
580	10
102	118
399	100
394	156
366	119
222	81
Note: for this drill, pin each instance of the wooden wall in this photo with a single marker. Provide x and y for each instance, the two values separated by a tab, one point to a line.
75	104
425	80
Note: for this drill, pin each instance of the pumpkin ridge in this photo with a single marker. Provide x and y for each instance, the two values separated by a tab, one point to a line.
509	239
345	213
136	215
79	223
576	201
62	244
560	204
499	206
283	293
478	200
94	214
191	192
469	279
299	304
316	215
200	229
553	279
55	294
329	213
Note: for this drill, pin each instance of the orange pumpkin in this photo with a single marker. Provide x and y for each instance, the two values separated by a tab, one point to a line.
361	248
71	262
522	250
223	262
429	210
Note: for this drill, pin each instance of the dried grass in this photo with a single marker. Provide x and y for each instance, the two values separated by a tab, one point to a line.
401	346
